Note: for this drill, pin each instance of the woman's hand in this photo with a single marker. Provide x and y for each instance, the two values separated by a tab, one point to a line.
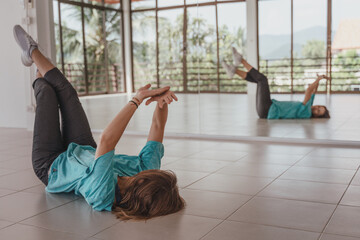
144	92
319	77
167	97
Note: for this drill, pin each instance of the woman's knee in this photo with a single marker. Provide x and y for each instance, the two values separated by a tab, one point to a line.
42	88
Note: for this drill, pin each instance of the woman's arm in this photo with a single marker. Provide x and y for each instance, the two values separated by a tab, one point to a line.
157	128
160	115
113	132
312	89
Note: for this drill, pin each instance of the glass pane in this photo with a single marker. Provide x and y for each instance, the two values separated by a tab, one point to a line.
169	3
73	46
95	50
113	42
94	2
198	1
345	46
57	34
275	43
310	34
112	3
144	48
231	27
202	49
142	4
170	25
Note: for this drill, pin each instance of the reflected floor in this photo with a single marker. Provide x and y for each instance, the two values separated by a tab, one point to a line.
232	191
235	114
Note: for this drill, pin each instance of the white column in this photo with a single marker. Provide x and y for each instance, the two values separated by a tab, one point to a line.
127	44
38	21
252	39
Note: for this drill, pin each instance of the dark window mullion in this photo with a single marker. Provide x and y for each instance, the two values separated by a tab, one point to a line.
84	52
61	40
157	45
217	49
107	84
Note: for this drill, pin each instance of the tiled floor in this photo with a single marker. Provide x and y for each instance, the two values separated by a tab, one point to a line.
235	114
232	191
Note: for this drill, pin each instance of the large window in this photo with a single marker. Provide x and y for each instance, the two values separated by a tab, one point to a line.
345	67
181	43
301	38
89	44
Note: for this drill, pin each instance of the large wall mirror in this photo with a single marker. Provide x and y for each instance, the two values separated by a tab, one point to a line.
110	48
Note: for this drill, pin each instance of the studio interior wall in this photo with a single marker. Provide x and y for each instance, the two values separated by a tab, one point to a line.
12	73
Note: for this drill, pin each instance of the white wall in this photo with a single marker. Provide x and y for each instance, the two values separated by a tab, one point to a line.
12	72
17	103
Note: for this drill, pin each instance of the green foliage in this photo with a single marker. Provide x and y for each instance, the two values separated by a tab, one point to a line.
314	49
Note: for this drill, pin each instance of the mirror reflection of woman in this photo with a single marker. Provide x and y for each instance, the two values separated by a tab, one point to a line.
272	108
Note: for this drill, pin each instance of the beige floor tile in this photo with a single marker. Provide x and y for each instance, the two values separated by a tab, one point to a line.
341	176
345	222
285	213
7	155
186	178
336	237
166	160
237	147
212	204
272	158
178	152
336	152
4	192
306	191
352	196
20	231
85	222
19	180
219	155
231	184
356	180
286	149
4	224
4	172
197	165
18	163
230	230
21	205
330	162
175	227
254	170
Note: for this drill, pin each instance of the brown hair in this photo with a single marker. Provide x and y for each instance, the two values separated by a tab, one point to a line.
325	115
152	193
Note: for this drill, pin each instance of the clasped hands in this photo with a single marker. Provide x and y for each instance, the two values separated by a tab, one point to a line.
161	95
319	77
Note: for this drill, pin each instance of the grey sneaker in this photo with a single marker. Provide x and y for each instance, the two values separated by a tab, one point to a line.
230	69
26	43
236	56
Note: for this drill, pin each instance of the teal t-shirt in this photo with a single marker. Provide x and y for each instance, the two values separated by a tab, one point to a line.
290	109
77	170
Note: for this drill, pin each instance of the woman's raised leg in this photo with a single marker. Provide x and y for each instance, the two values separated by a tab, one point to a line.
75	125
47	139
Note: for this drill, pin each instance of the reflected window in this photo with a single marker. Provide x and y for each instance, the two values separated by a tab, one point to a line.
182	46
275	43
144	48
345	64
89	44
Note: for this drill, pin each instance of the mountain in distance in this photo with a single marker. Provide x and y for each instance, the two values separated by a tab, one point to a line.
278	46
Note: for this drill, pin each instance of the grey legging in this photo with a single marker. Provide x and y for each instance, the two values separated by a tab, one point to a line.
263	100
49	141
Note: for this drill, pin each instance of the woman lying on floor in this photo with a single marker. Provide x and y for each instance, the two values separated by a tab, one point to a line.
271	108
70	160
